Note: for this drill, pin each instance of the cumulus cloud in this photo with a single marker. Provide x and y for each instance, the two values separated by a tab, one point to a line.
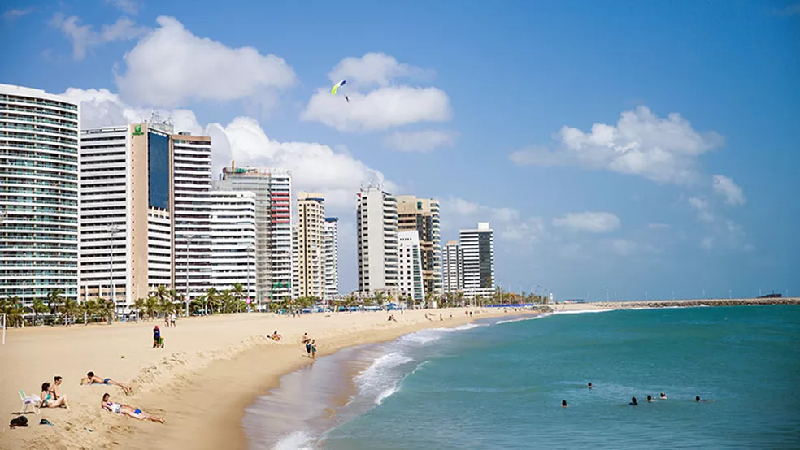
419	141
732	193
390	105
314	167
84	37
379	109
13	14
374	68
593	222
508	223
641	143
127	6
170	66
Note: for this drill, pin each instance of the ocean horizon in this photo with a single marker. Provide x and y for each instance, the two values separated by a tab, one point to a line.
499	383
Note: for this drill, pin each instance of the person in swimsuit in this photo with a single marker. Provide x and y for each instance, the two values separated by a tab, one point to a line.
57	380
563	403
157	340
633	402
127	410
91	378
649	399
590	386
314	349
663	396
48	401
308	348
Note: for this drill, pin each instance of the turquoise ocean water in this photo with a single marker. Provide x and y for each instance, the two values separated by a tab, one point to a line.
499	384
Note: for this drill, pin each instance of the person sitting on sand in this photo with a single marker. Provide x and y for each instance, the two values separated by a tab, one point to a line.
663	396
91	378
57	380
127	410
48	401
275	336
633	402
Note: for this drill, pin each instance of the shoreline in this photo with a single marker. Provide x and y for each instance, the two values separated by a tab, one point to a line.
210	370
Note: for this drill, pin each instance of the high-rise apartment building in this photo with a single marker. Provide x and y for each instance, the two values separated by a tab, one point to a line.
310	245
422	215
273	189
477	247
376	226
453	279
127	238
410	279
39	199
330	265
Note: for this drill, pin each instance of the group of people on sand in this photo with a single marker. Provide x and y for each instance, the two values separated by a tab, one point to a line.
52	398
311	346
635	402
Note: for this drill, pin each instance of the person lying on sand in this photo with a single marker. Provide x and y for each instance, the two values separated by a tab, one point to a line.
127	410
275	336
48	399
91	378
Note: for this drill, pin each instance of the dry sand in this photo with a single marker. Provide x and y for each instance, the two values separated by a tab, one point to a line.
210	369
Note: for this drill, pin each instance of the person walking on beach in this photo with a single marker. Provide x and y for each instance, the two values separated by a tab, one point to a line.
314	349
172	319
308	348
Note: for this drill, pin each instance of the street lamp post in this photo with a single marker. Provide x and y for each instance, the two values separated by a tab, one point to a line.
112	231
249	247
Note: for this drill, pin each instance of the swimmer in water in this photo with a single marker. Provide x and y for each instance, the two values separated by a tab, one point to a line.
590	385
633	402
697	398
663	396
649	399
563	403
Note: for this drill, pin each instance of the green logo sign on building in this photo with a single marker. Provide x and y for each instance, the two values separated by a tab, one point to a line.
137	130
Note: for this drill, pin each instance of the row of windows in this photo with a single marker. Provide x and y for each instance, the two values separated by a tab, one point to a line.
37	101
17	153
39	119
37	111
67	135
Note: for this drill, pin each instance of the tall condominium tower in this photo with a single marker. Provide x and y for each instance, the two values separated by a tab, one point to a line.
477	247
273	189
310	245
453	279
38	194
410	278
330	265
422	215
376	226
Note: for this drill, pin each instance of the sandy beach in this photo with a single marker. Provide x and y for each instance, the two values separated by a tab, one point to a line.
210	369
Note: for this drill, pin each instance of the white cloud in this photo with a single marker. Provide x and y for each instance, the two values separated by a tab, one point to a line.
507	223
127	6
374	68
102	108
84	37
725	187
314	167
170	66
641	143
390	105
593	222
419	141
707	243
701	208
658	225
379	109
11	15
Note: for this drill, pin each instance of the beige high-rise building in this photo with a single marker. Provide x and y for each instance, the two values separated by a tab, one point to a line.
310	245
376	228
422	215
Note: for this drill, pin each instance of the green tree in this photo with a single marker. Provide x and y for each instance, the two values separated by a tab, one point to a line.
70	310
139	305
13	310
38	307
54	300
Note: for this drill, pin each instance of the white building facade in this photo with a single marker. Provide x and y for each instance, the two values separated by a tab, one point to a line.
39	199
477	247
330	265
453	279
273	190
376	225
411	284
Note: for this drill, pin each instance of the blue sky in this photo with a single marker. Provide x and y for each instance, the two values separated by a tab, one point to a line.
491	110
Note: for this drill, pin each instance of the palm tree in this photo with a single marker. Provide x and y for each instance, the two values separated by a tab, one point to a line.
139	305
38	307
379	298
211	298
54	300
70	310
428	299
13	311
227	300
88	307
